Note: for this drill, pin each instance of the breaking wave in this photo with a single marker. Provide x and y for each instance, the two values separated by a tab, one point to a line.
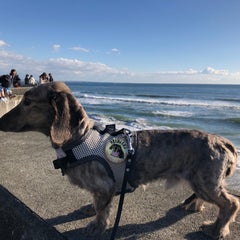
95	99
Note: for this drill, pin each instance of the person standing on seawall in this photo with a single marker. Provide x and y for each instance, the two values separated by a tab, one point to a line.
15	79
50	77
43	78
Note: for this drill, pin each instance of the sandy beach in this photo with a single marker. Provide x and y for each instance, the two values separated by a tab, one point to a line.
28	173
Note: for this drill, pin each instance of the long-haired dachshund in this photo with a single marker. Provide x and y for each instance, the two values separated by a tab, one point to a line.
203	160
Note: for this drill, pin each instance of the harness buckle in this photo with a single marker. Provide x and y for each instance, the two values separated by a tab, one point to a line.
60	163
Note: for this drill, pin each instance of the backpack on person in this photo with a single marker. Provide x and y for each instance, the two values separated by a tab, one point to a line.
5	80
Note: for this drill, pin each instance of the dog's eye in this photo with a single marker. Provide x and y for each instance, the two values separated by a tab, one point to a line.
27	101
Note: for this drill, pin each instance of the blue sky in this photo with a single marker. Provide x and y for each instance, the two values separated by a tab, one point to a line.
160	41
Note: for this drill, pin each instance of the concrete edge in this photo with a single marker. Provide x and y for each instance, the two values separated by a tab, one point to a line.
17	221
20	90
13	102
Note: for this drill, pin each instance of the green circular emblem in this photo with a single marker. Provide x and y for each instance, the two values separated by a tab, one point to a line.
116	149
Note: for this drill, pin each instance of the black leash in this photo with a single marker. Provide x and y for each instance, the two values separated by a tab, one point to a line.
121	199
124	185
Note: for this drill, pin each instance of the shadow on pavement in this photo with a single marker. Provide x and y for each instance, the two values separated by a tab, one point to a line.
130	231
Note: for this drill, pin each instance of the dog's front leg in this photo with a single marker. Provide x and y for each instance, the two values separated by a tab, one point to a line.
193	203
102	205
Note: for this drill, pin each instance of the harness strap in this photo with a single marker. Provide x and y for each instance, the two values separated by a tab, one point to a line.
70	161
111	128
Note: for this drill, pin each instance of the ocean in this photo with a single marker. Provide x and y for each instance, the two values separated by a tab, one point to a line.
211	108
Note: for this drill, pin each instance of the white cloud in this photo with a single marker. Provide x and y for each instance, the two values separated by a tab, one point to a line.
2	43
207	71
21	63
65	69
210	70
79	49
74	69
56	47
191	71
115	50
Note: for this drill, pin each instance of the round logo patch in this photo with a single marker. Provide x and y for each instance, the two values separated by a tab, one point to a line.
116	149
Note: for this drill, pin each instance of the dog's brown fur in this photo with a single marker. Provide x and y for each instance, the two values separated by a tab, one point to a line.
203	160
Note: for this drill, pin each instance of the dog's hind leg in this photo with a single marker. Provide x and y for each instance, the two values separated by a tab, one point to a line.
102	205
193	203
228	208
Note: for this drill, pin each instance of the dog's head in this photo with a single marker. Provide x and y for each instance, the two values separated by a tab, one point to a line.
48	108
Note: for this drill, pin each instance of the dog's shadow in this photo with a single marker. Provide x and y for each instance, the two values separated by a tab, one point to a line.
73	216
129	231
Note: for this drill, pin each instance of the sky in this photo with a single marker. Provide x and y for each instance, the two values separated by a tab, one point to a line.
155	41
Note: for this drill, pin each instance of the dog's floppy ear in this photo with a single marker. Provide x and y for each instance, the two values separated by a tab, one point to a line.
60	130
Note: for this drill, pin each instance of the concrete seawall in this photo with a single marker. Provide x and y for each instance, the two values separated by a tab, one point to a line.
6	107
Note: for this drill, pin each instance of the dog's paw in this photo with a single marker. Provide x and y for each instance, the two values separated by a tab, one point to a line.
88	210
211	229
196	205
208	228
95	228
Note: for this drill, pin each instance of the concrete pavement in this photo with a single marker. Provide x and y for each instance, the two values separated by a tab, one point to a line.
26	170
